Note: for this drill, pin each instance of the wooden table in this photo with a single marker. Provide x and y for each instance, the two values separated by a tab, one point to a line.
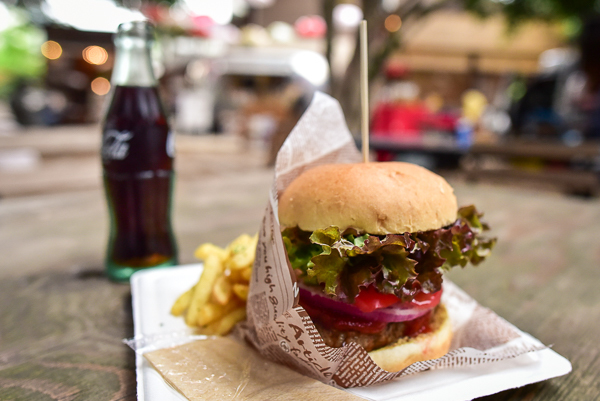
62	322
569	168
544	165
439	149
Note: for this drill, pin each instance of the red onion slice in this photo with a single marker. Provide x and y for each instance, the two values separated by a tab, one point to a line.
317	299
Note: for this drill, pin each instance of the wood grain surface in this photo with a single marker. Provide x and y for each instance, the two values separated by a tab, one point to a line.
543	277
62	322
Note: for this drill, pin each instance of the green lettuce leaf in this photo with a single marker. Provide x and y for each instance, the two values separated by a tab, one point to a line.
400	264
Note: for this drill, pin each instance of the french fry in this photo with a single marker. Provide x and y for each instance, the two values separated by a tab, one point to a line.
212	312
239	244
222	292
236	276
182	302
241	290
204	250
217	301
208	314
247	273
243	254
226	323
242	259
213	267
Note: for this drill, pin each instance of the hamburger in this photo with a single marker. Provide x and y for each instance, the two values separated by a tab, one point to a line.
369	243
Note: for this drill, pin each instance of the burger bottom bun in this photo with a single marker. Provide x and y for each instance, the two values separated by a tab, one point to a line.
406	351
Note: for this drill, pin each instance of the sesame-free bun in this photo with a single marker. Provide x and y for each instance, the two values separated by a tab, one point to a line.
406	351
374	198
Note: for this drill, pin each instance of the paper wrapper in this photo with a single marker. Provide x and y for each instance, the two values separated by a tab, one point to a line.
225	369
282	331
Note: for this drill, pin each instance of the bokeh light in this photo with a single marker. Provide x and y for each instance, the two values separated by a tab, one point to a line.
281	32
311	66
260	3
51	50
95	55
311	26
100	86
347	17
393	23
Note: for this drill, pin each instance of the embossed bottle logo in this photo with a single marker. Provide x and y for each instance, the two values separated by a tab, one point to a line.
115	145
171	144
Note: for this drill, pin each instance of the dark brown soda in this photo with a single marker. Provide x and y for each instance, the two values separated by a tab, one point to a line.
137	157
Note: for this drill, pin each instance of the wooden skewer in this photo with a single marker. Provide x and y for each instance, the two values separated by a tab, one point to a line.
364	89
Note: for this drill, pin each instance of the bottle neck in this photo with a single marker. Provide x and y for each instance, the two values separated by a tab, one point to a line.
133	63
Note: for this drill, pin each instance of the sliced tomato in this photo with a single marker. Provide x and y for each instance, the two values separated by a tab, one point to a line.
420	325
423	301
370	299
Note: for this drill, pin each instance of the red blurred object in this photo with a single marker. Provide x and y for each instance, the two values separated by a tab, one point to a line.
311	26
399	120
155	12
443	121
395	70
202	26
407	122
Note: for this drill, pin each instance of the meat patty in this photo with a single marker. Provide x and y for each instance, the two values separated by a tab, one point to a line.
370	341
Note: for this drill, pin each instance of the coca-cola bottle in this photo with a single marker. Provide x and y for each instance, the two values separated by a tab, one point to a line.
137	160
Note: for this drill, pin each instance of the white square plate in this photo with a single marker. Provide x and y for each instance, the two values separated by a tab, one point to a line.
154	291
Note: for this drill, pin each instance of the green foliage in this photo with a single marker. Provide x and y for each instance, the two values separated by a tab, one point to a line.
126	3
20	51
518	11
20	55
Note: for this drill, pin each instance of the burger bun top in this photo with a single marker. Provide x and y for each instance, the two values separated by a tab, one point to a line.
375	198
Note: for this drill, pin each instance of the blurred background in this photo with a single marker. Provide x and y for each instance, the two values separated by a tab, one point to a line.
501	91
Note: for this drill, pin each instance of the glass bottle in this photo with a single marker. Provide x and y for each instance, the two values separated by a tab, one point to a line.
137	161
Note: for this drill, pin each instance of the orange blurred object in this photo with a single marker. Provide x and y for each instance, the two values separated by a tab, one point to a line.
393	23
51	50
95	55
100	86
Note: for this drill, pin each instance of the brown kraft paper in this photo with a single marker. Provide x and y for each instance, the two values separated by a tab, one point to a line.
225	369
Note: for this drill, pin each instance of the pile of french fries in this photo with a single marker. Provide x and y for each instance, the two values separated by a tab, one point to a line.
218	300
